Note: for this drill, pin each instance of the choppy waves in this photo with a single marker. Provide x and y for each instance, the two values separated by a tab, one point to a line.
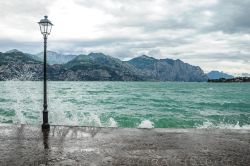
209	125
128	104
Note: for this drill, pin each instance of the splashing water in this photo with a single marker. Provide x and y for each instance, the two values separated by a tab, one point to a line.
128	104
18	100
146	124
236	126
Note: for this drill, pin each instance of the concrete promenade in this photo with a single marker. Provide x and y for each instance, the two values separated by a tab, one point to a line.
28	145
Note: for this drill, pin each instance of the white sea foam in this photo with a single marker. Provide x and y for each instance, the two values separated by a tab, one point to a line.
95	120
146	124
17	106
112	123
208	124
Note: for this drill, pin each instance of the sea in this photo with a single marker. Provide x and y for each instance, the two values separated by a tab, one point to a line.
128	104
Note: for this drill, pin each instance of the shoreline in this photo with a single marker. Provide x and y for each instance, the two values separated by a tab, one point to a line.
74	145
140	128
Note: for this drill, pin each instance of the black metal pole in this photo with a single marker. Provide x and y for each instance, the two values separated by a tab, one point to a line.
45	124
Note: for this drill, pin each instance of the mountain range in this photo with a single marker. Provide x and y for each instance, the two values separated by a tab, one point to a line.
55	58
16	65
218	75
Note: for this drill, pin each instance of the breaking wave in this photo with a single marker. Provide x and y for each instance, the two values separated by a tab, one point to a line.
146	124
112	123
144	105
208	125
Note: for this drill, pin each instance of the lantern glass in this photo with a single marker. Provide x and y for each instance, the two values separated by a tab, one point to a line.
45	26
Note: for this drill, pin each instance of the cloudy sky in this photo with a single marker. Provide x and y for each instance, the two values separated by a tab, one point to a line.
212	34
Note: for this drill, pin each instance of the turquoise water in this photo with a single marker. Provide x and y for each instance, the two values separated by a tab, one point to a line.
129	104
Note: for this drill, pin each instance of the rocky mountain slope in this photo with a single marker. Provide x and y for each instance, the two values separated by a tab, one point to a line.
97	66
168	69
15	65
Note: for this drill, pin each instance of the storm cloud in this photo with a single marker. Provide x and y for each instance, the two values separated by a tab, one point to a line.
212	34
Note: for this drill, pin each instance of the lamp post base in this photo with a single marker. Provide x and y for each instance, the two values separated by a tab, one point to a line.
45	126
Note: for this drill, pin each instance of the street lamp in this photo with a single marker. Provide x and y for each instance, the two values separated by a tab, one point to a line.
45	27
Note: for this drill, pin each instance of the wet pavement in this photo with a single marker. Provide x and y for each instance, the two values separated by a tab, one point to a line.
28	145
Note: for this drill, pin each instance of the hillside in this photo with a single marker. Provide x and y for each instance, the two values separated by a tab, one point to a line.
97	66
168	69
15	65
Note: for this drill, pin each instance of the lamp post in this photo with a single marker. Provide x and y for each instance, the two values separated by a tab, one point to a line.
45	28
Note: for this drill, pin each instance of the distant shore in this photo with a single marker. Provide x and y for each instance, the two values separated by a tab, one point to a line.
236	79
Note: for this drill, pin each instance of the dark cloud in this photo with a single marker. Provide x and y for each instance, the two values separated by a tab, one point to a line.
232	16
198	31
